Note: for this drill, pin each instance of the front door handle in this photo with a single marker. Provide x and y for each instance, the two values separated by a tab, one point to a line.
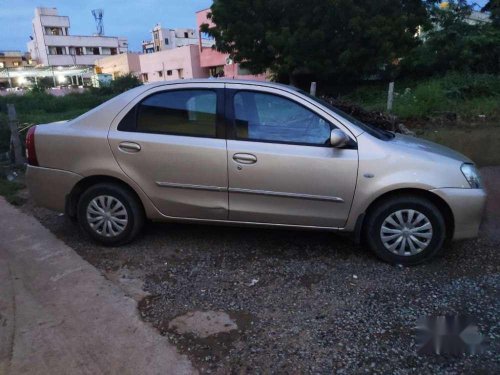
245	158
129	147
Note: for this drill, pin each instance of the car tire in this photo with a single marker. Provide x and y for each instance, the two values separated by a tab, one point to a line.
110	214
405	230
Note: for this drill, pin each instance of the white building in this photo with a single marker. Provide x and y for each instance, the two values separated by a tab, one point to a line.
52	44
164	39
478	18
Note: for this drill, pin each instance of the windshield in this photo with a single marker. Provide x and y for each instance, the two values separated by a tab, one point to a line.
370	129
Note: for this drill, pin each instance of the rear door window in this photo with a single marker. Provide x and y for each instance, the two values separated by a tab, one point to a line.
181	112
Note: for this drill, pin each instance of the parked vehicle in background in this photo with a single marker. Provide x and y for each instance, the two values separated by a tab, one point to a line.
251	153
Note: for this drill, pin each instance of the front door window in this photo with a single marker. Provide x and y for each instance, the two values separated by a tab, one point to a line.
272	118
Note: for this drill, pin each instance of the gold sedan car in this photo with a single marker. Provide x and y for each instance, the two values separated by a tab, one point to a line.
251	153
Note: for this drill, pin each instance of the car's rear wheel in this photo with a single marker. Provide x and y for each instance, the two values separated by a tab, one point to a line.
405	230
110	214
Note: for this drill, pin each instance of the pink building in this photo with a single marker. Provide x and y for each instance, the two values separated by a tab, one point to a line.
219	64
176	63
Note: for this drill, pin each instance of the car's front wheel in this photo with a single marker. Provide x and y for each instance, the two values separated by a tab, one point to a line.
110	214
405	230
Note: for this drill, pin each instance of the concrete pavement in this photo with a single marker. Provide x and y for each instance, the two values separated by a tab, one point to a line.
59	315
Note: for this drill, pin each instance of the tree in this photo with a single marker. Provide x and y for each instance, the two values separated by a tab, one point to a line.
340	39
452	44
493	6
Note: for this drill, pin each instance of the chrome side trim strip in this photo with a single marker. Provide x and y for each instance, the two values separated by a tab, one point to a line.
191	187
250	191
288	195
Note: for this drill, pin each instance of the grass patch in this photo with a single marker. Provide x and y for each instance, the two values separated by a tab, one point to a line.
468	96
40	108
10	189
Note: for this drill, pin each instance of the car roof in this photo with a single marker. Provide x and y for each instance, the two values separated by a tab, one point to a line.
221	80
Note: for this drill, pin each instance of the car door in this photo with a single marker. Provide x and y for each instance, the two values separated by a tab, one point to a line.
281	166
171	142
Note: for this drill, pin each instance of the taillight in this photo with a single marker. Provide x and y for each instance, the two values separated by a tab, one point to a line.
30	147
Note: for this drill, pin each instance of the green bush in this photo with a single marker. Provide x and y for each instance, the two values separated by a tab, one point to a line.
118	85
426	99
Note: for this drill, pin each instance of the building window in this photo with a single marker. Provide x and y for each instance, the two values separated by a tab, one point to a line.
76	51
53	31
217	71
93	51
169	72
114	51
145	77
16	63
166	41
186	35
160	73
181	73
57	50
2	64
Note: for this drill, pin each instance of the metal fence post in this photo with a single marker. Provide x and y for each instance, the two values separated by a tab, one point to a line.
313	89
390	97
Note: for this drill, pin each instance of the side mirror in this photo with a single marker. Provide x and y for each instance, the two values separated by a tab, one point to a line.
338	138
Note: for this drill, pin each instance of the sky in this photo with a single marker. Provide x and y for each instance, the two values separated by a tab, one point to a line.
131	19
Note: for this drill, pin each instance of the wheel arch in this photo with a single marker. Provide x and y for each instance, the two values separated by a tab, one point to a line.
87	182
426	194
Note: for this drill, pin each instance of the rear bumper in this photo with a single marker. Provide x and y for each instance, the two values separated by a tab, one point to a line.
50	187
467	206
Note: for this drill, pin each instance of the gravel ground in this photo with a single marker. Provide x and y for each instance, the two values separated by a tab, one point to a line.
305	302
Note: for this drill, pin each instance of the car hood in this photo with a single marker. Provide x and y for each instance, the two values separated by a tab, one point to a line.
428	147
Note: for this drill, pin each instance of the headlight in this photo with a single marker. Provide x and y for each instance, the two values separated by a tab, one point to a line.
472	175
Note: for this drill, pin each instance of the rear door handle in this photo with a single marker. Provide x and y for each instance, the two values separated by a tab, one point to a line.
245	158
129	147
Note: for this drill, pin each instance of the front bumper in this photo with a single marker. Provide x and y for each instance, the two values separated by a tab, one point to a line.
467	206
49	187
